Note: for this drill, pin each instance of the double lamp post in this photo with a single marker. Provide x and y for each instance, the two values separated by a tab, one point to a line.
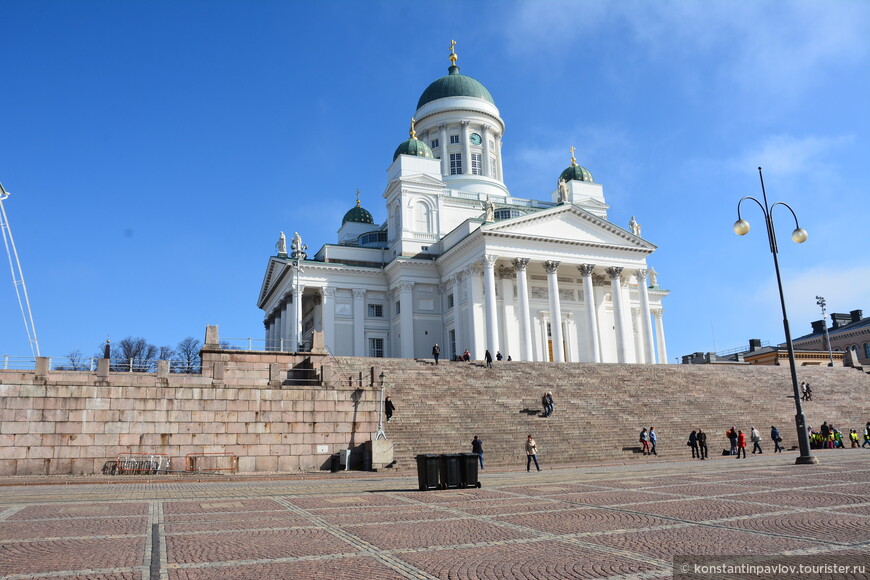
799	235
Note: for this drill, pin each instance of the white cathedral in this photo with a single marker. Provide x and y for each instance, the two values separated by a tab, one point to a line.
462	263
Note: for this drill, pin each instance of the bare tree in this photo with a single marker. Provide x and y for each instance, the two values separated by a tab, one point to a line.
133	354
76	363
187	355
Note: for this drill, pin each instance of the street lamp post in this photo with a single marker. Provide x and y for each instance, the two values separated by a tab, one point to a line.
297	255
799	235
820	300
380	434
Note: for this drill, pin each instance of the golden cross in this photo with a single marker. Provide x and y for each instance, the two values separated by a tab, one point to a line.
452	53
357	196
573	161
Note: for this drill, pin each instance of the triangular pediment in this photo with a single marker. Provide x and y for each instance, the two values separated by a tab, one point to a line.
567	223
419	179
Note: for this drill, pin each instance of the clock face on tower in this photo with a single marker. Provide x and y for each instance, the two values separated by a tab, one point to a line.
475	139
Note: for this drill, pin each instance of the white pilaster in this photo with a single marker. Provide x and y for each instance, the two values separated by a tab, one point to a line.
526	352
457	314
296	318
543	320
359	322
593	339
466	154
491	306
500	176
646	321
571	338
442	144
637	338
406	318
618	313
555	310
660	336
284	327
487	153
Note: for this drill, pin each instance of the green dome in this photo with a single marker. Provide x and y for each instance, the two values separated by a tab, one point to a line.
358	215
413	147
574	171
454	85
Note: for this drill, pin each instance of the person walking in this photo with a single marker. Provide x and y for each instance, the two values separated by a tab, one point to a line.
853	437
866	435
531	453
755	437
498	356
436	352
644	440
389	408
693	443
774	434
549	403
741	444
477	449
702	444
732	438
809	392
803	391
488	358
652	440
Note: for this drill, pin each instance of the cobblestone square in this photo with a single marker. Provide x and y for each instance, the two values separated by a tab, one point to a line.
623	522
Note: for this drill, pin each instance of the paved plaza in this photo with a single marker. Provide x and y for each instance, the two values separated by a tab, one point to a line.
619	521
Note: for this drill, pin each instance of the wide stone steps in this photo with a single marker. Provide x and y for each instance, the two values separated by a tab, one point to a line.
600	408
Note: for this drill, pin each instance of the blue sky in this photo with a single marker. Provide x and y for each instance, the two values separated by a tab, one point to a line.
154	150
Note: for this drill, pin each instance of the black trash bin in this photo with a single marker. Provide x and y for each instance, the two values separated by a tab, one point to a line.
427	471
468	469
448	468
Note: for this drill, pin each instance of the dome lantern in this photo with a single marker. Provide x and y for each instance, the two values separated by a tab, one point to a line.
358	214
413	146
576	172
454	85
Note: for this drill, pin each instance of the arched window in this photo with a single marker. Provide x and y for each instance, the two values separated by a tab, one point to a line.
395	221
421	218
867	350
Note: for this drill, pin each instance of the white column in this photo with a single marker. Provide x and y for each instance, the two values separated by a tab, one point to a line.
637	337
457	313
486	152
571	337
442	143
466	154
406	318
491	306
509	342
526	352
282	337
660	336
646	321
296	318
475	311
618	314
555	310
328	299
359	322
591	315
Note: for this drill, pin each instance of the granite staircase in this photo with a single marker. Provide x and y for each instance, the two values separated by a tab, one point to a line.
600	408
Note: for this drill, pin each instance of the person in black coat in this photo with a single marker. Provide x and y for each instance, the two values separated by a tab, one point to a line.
389	408
488	358
702	444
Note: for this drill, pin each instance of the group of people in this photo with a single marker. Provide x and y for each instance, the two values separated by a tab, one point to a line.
806	391
828	437
466	356
648	441
531	452
737	439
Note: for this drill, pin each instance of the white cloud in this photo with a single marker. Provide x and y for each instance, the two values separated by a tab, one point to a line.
785	154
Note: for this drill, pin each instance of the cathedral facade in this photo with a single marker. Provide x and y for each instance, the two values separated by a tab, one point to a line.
462	263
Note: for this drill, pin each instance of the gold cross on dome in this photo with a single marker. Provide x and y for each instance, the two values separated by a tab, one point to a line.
357	197
573	161
452	52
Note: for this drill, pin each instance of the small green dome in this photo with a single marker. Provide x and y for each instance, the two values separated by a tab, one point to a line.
413	146
577	172
454	85
358	215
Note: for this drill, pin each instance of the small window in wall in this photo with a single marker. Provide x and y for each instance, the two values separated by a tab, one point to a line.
492	168
376	310
398	306
867	350
450	301
451	339
475	164
455	163
454	139
434	143
376	347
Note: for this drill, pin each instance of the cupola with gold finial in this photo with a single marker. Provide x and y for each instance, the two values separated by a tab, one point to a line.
358	214
576	172
454	85
413	146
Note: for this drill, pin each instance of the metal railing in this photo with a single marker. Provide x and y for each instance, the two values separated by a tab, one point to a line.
89	364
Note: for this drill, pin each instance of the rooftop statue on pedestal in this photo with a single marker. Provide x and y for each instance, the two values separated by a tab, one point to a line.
281	244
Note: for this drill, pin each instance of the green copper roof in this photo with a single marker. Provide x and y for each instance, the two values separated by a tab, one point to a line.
413	147
454	85
358	215
576	172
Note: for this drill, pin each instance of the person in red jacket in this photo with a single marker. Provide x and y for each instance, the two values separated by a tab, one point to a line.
741	444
